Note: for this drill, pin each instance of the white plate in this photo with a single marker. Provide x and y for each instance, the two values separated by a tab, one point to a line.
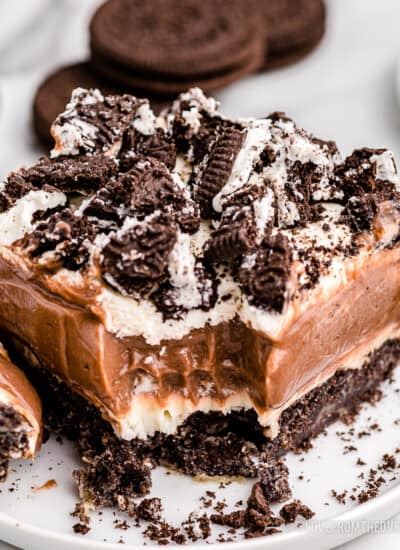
40	520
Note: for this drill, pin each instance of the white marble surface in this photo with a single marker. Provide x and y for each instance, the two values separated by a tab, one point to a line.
344	91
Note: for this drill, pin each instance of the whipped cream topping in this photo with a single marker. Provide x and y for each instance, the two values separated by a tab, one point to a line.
386	167
290	147
181	269
145	120
192	106
18	220
166	262
93	123
126	316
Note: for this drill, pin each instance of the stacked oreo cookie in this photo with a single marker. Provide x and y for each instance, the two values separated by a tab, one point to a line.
295	28
160	48
166	46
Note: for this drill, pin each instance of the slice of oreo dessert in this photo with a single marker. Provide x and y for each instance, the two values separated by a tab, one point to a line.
20	415
189	267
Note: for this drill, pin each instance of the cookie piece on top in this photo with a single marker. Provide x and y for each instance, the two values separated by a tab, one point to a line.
55	91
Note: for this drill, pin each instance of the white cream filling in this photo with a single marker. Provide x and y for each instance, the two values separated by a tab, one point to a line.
145	120
145	417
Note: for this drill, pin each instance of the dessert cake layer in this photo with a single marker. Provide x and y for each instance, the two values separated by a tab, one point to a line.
20	415
207	443
192	263
144	388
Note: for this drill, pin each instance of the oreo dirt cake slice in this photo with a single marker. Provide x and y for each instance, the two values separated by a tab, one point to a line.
206	287
20	415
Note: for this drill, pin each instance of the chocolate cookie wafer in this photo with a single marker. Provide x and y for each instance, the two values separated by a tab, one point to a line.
295	27
165	45
172	85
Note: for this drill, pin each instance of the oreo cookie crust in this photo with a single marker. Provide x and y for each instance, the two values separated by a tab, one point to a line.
207	444
295	27
55	91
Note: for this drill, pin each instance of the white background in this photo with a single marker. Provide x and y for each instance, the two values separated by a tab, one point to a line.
345	91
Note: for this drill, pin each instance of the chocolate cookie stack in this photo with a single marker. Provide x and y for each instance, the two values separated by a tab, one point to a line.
165	46
160	48
295	27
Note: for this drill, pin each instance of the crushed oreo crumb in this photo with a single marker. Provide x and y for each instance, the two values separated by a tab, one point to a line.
275	482
289	512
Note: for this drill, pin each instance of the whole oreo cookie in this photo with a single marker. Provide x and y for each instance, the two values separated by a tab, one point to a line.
55	92
171	85
295	27
166	46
